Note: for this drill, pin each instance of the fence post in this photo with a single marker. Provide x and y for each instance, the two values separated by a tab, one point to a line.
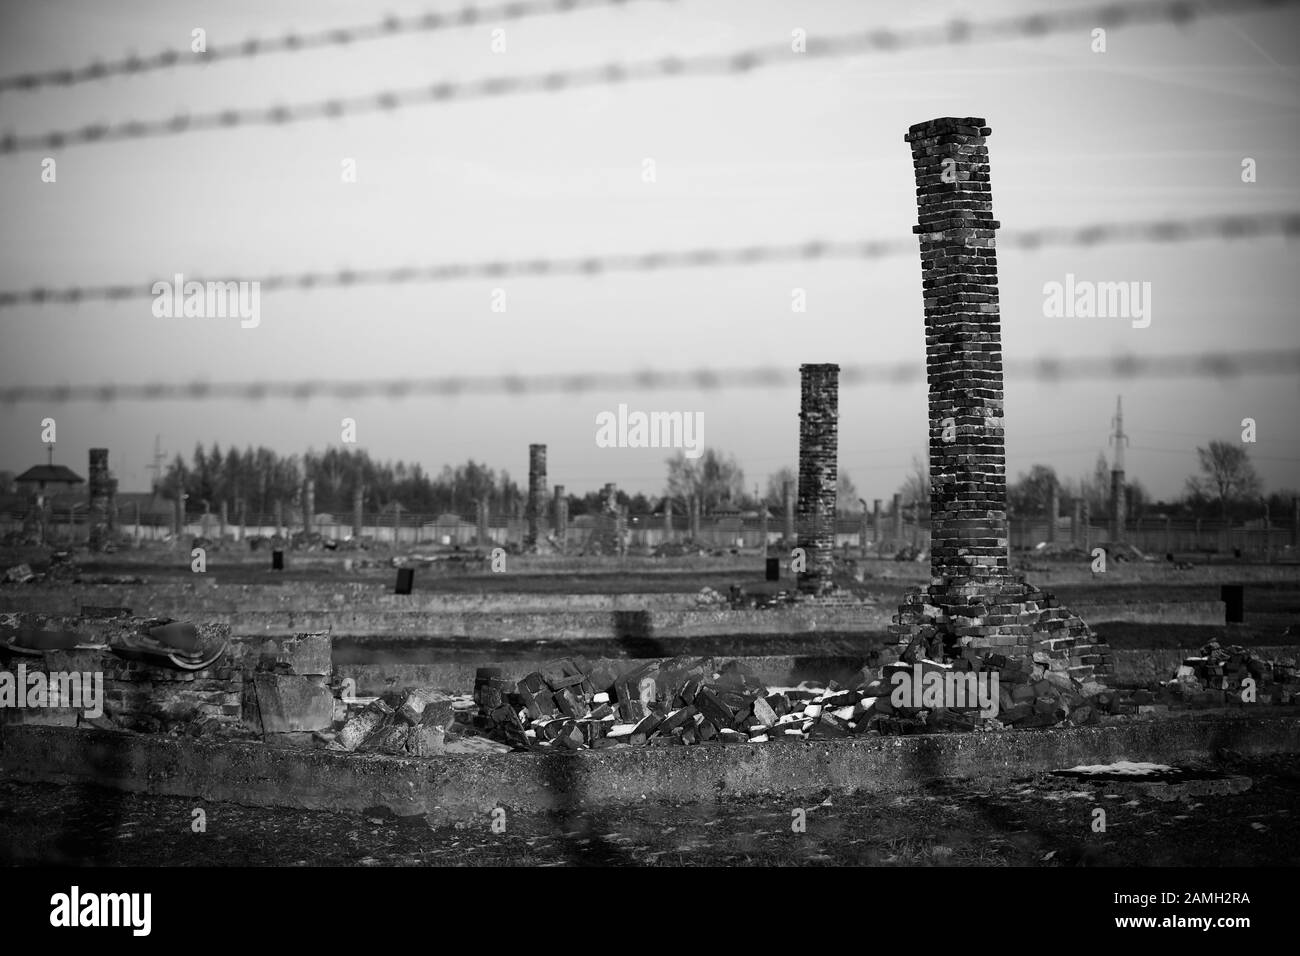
787	502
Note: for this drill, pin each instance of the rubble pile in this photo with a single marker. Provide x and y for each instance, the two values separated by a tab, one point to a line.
738	599
19	574
570	706
419	723
677	549
417	726
62	567
158	675
165	676
1217	676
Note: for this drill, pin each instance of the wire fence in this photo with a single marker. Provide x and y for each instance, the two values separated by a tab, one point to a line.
1051	369
265	46
905	535
958	31
1225	227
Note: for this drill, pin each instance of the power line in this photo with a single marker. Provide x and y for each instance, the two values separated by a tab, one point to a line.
1224	227
391	26
1194	451
1214	365
955	31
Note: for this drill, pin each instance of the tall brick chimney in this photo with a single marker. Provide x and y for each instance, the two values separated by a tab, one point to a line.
536	494
818	473
963	343
974	603
97	480
101	489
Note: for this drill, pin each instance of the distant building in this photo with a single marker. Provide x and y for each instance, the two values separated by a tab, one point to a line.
48	479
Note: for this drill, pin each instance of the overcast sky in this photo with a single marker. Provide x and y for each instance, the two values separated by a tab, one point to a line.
1157	126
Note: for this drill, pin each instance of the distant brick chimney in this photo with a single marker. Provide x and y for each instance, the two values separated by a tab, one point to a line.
819	404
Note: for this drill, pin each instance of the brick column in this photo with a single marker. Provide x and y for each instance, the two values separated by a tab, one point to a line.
279	516
1076	524
875	522
358	516
897	515
225	519
762	526
668	519
818	472
963	338
98	492
484	532
1086	531
97	480
536	493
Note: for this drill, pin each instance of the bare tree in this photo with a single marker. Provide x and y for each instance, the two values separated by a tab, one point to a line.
916	487
715	477
1226	474
846	494
776	484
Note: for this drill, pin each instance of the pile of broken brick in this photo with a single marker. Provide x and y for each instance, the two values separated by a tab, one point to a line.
418	722
571	706
1217	676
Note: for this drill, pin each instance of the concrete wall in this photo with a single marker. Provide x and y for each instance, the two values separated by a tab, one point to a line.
469	786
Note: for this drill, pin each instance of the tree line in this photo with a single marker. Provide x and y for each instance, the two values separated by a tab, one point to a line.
1225	485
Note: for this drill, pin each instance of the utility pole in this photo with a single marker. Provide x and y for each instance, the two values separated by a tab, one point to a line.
156	465
1118	504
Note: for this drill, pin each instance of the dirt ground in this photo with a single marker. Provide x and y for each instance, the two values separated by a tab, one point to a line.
1038	821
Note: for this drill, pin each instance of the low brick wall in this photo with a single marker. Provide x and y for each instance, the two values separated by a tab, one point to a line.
259	685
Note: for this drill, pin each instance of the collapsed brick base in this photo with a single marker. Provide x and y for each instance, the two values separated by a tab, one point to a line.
1042	652
264	686
138	696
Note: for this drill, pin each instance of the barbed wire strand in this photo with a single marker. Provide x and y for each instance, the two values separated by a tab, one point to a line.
1053	369
1157	231
739	62
266	46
